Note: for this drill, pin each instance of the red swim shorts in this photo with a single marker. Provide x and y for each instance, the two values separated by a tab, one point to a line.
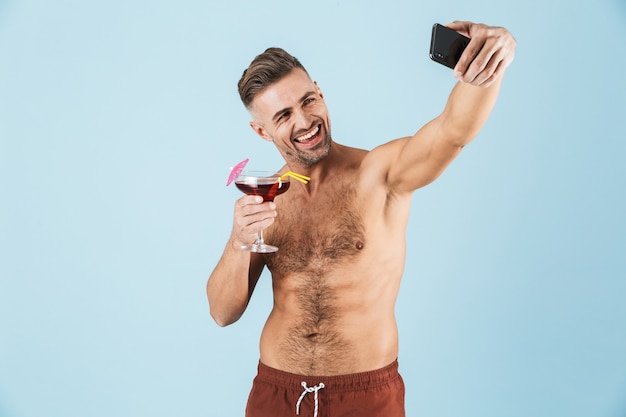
378	393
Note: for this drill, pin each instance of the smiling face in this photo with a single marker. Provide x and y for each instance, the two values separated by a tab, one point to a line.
292	114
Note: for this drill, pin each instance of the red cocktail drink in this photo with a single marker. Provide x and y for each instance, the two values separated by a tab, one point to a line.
267	185
266	189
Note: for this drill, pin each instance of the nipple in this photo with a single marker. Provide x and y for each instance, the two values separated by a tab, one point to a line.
359	245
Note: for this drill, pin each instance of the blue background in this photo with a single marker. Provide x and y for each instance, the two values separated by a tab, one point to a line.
119	121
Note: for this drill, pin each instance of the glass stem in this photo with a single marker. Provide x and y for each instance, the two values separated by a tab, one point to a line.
259	239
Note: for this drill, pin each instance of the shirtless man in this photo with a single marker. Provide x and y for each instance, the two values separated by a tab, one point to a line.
330	344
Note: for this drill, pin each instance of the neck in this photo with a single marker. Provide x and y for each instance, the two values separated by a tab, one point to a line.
323	170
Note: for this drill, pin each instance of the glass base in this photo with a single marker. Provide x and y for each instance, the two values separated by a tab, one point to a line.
260	248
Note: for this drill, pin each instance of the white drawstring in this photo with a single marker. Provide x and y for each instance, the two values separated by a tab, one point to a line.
314	389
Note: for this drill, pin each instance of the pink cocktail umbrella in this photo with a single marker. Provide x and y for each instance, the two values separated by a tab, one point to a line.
236	170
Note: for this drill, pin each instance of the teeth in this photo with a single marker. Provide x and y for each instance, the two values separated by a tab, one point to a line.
308	135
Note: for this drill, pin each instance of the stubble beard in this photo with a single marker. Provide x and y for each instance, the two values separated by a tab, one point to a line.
314	155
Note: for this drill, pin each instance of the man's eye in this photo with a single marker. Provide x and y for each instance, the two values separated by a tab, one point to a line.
309	100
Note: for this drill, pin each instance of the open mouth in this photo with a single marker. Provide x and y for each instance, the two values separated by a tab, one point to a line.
310	137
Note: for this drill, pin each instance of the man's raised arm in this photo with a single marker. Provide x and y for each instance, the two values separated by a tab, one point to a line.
420	159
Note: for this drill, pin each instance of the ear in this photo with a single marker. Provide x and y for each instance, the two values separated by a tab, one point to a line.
260	130
319	90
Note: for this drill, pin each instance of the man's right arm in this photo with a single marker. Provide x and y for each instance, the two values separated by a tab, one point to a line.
233	280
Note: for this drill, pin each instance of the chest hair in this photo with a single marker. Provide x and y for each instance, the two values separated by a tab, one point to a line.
316	234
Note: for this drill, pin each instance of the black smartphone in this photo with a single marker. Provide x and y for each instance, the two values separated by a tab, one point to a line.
447	45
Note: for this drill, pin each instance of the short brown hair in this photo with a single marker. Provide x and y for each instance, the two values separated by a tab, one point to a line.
266	69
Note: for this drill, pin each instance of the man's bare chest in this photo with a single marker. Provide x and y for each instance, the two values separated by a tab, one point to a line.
316	234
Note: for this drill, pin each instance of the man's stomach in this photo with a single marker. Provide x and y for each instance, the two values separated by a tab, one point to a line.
327	332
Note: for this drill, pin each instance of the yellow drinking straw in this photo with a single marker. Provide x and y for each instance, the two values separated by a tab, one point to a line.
302	178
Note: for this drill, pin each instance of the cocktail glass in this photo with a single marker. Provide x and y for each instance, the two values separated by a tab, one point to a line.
268	185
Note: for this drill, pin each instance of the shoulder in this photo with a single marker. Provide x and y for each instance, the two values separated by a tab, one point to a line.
378	162
387	151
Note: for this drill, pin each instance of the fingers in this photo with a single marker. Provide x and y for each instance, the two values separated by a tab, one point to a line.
251	216
488	54
461	27
481	61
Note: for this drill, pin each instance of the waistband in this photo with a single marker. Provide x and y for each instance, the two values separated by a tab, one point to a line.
335	383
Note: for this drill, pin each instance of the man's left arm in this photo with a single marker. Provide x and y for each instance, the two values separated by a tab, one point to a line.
420	159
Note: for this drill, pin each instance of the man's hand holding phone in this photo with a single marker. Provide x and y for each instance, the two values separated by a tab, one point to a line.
489	52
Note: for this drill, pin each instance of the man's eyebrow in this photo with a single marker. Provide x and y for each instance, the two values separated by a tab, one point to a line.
306	95
279	113
286	109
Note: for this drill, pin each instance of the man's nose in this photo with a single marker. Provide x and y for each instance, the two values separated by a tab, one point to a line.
302	120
